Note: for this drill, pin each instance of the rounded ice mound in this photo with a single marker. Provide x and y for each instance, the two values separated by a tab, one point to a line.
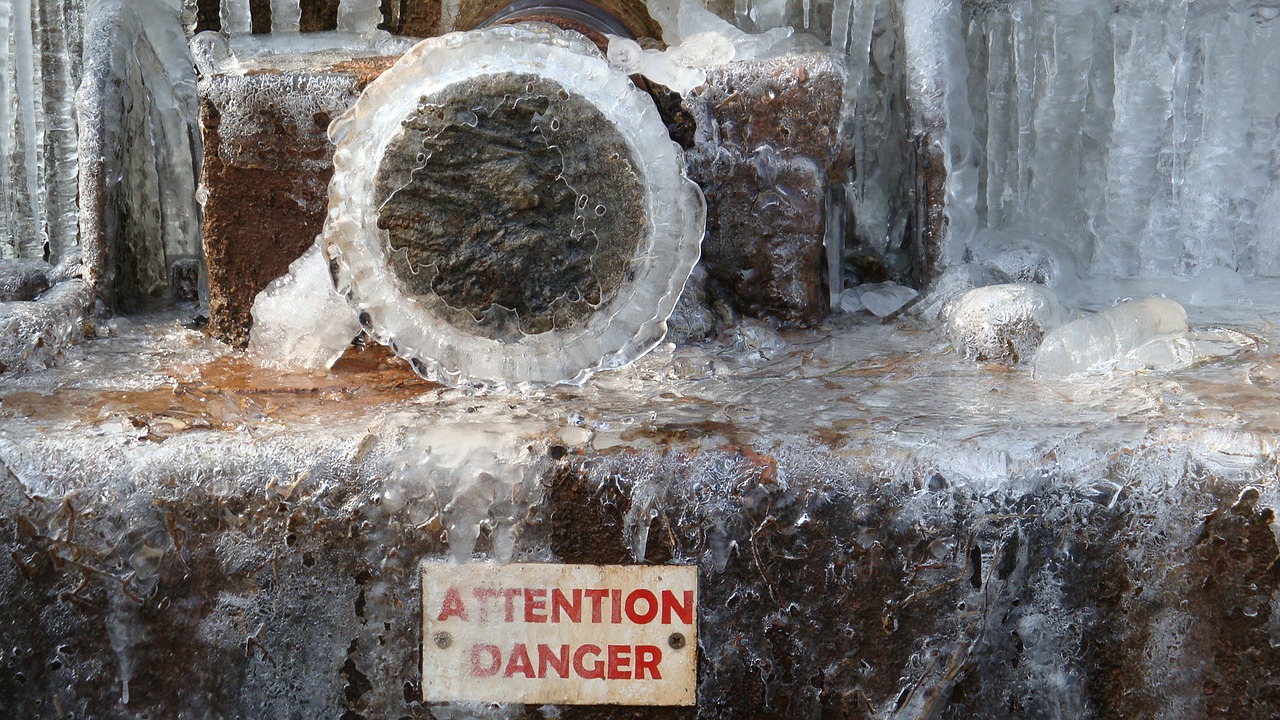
1002	323
507	209
1095	343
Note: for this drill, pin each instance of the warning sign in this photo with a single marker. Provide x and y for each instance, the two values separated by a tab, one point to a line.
559	634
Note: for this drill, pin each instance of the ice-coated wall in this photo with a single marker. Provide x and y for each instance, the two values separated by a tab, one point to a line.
1144	136
1141	137
98	138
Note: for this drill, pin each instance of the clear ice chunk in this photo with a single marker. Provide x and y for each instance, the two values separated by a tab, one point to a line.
885	299
299	320
1095	343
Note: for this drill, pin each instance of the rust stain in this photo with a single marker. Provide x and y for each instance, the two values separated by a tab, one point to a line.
231	390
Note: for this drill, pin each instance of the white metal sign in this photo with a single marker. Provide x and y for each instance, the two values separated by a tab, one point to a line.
559	634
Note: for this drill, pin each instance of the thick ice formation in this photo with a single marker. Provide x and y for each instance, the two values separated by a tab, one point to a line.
34	334
665	68
471	477
689	21
299	320
630	317
1002	323
139	145
1140	137
1097	342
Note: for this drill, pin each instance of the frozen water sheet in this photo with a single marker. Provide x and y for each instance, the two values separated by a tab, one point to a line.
623	326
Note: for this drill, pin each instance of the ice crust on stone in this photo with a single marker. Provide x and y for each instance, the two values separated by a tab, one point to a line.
35	334
1002	323
300	321
23	279
628	325
1096	342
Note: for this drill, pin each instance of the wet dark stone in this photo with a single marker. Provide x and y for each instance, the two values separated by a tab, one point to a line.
764	167
514	202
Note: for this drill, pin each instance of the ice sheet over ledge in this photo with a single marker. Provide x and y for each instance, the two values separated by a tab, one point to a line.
624	326
886	393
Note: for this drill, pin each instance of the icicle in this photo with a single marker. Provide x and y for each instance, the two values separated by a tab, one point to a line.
26	61
7	140
286	15
60	38
236	18
841	11
359	16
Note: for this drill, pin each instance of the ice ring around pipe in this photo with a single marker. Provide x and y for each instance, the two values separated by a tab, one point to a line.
507	209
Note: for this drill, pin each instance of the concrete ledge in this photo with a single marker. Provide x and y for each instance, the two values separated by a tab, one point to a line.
879	529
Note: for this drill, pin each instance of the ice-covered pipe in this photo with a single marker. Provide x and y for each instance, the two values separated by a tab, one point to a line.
581	227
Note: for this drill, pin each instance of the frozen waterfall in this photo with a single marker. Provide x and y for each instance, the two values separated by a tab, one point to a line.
1143	139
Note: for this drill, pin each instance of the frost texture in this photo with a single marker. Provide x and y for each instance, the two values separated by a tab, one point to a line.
299	320
624	327
1096	342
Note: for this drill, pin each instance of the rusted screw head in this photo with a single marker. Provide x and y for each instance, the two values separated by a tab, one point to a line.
442	640
676	641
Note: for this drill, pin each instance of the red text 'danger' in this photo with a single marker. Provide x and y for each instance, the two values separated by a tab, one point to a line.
589	662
